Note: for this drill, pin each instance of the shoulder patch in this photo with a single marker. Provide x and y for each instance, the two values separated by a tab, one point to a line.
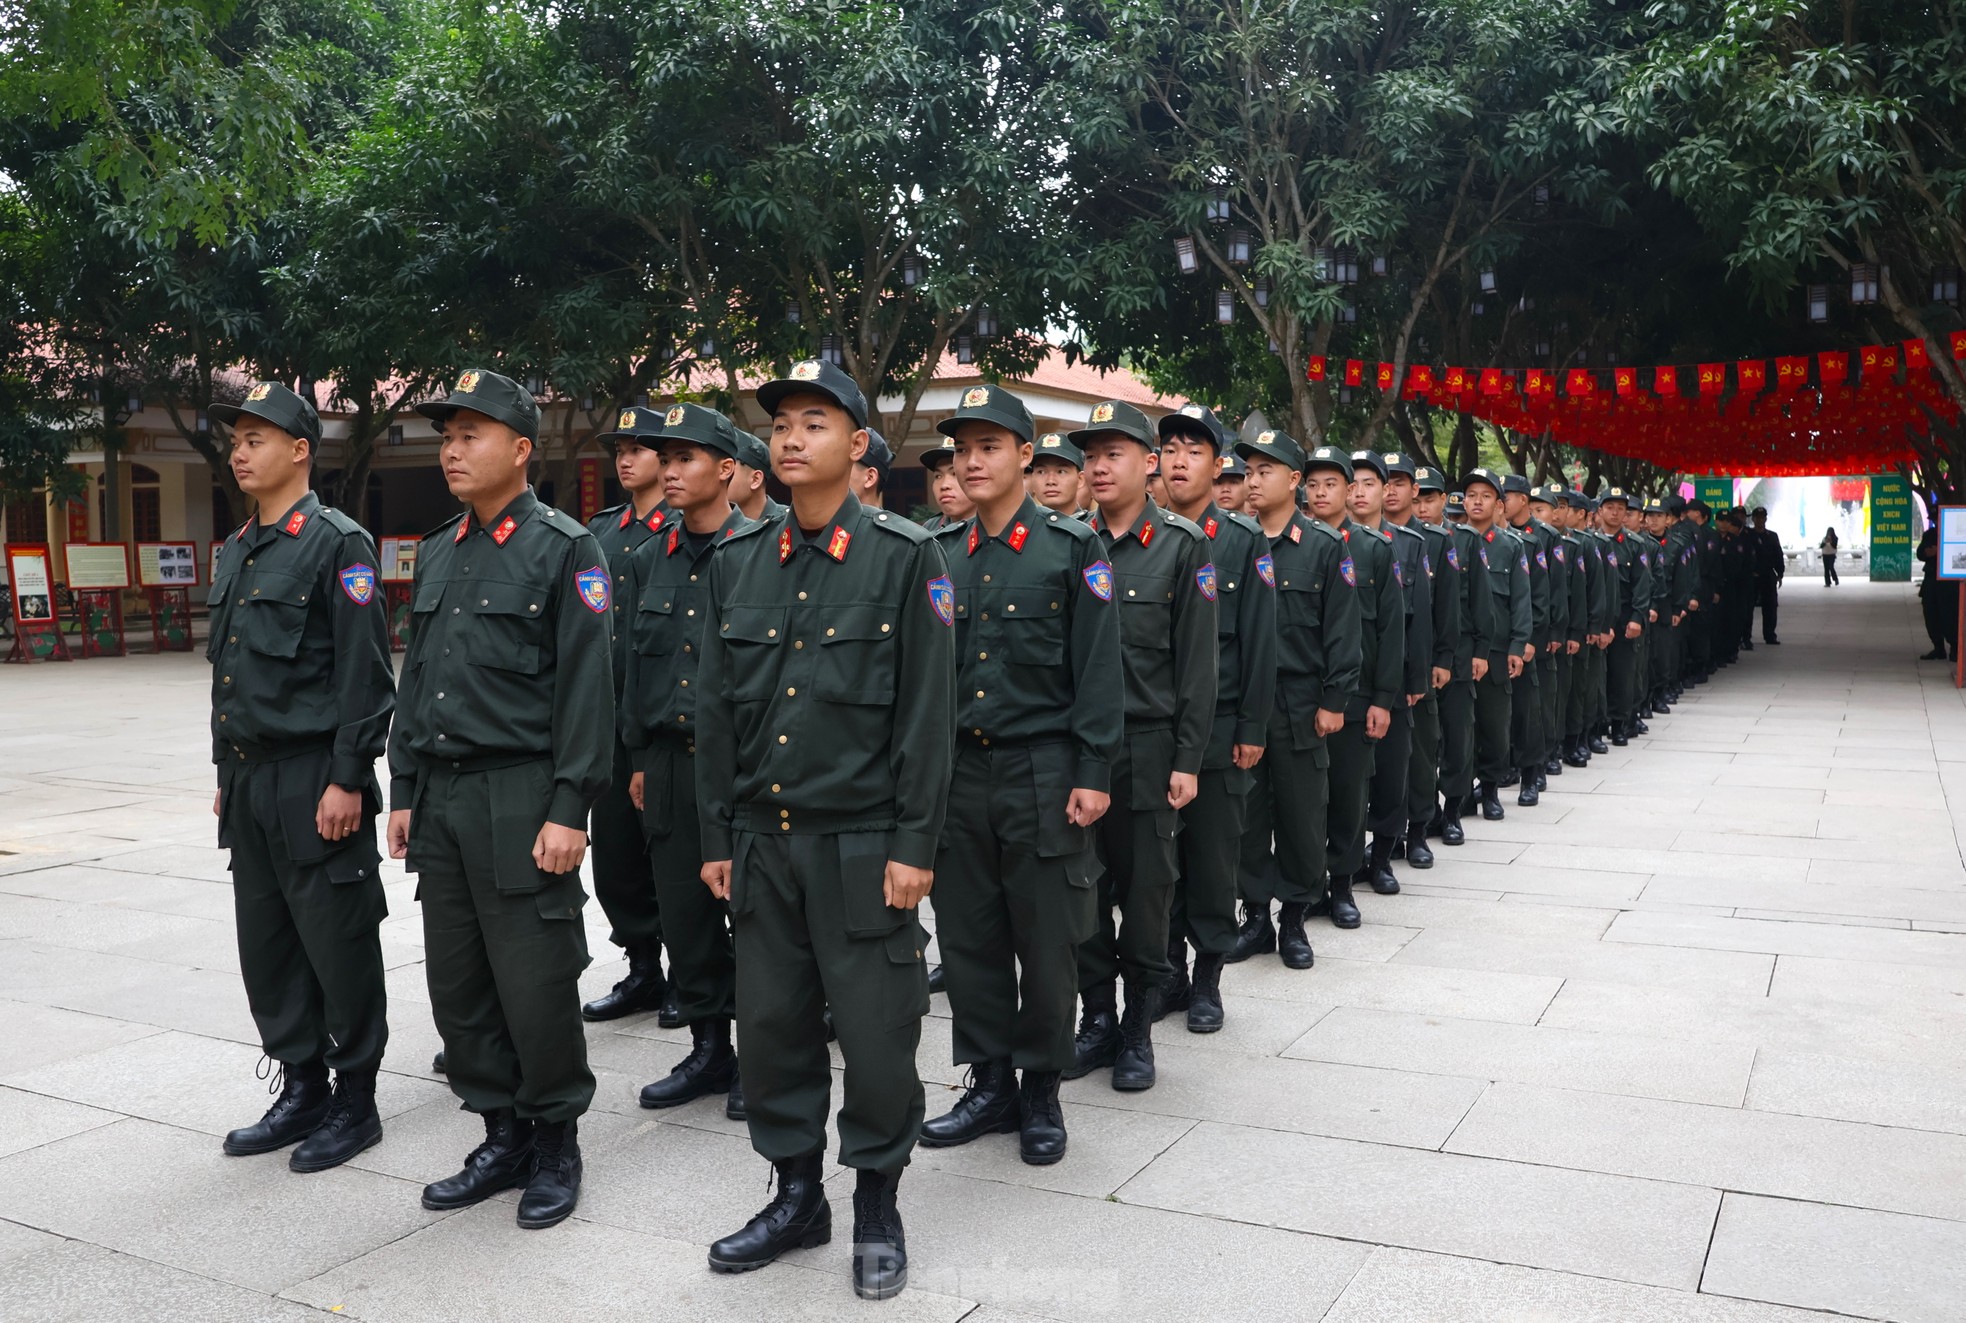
1542	561
1453	558
1266	569
1399	573
1205	580
942	598
1349	571
1099	578
1484	559
593	588
358	584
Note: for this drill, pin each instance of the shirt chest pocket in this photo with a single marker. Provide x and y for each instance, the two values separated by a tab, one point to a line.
273	611
218	600
1147	611
654	630
507	625
752	638
857	656
1300	604
1030	626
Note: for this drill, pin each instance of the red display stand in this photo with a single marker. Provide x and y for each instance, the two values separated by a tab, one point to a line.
170	618
37	627
99	618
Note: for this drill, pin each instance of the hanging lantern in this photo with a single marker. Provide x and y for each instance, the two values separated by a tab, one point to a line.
1819	303
1218	205
1480	308
1225	306
1379	265
1262	291
1863	283
1347	313
1240	244
830	351
965	349
1184	255
1539	200
1344	269
1945	285
986	321
792	312
1488	282
705	348
911	269
200	424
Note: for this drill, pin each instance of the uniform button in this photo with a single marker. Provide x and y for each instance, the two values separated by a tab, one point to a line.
1232	583
687	648
221	717
684	683
447	652
986	578
829	633
802	597
440	694
775	787
784	826
1131	593
977	733
228	680
789	693
885	628
781	739
484	601
455	766
442	738
986	744
985	615
882	518
770	633
303	597
692	611
242	755
1054	605
249	560
785	813
533	607
232	638
692	578
796	643
1011	607
982	656
456	609
979	693
242	601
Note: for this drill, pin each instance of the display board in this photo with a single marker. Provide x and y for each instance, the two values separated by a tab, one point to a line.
33	587
97	566
1890	529
398	559
167	564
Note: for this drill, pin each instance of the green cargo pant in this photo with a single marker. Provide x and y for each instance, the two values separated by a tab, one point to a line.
701	969
1494	709
622	881
1137	845
1204	913
1014	896
1284	836
308	913
813	931
503	942
1350	787
1423	767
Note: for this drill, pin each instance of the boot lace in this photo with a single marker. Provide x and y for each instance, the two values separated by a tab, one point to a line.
870	1216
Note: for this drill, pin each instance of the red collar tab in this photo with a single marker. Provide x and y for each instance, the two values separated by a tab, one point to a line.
655	520
627	514
463	528
242	529
784	544
1018	537
837	544
1345	533
506	527
1209	526
974	539
295	522
675	538
1296	533
1147	533
1489	536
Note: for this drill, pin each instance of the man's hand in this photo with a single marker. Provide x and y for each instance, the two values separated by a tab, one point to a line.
1378	720
716	876
1413	699
635	784
1515	665
1573	647
1651	618
1246	756
215	798
1442	677
338	814
1529	652
1086	807
399	834
1327	722
1633	629
559	849
1480	668
905	886
1182	787
1693	605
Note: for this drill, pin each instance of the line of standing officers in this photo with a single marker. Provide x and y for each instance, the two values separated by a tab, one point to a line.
1159	698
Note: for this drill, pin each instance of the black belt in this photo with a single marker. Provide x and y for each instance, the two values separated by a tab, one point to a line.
484	762
276	753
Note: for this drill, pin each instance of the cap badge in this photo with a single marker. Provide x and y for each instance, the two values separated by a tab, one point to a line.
976	397
1192	411
675	415
1103	413
467	383
1050	441
1266	438
806	371
259	392
626	421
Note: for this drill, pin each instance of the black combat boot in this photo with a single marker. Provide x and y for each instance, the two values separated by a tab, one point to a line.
1491	801
1133	1069
298	1110
937	980
1256	936
734	1099
988	1107
555	1185
1205	1009
1293	947
1378	870
1529	795
709	1067
1577	755
1618	736
671	1014
641	989
1509	778
350	1126
502	1162
1098	1042
880	1247
1451	831
1638	727
437	1065
1339	903
1418	853
1040	1120
1176	991
1399	845
1596	742
1552	766
798	1217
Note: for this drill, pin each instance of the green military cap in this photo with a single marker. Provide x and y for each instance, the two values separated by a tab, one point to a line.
878	455
1512	483
700	426
1456	503
1329	457
1429	479
1233	467
990	404
1653	505
271	402
816	377
1369	459
1196	420
1116	416
1277	447
1488	478
1674	503
1550	493
634	424
498	398
1617	494
940	455
754	451
1398	464
1053	445
1577	500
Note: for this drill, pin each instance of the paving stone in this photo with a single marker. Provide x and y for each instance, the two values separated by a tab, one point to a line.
1792	1157
1615	962
28	1120
1394	986
1838	941
70	1282
1850	1260
1928	1097
1525	1054
37	1036
1541	1217
1107	1146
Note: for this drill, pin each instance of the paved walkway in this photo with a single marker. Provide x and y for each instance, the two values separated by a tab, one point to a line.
1685	1043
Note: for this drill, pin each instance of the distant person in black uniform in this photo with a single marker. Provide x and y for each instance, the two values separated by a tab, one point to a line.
1937	599
1770	567
1828	547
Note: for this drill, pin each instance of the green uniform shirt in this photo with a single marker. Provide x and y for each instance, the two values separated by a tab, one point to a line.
1037	638
1245	634
1165	585
1320	638
668	587
300	642
827	698
509	655
1683	565
1506	558
1412	568
1574	575
1543	622
619	533
1368	565
1484	629
1631	561
1448	596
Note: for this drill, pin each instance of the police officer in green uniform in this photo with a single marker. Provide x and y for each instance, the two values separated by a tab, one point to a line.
1166	588
1368	565
1586	716
302	689
668	592
1408	497
1319	651
944	490
1054	477
1569	610
1204	916
1505	560
1037	730
1392	759
1659	636
623	884
501	746
1528	732
1630	587
1475	639
1683	565
825	742
747	481
1232	485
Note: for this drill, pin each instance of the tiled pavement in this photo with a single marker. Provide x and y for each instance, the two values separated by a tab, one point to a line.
1685	1043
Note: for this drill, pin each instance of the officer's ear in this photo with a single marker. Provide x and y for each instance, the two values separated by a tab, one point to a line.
857	447
523	453
304	452
726	469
